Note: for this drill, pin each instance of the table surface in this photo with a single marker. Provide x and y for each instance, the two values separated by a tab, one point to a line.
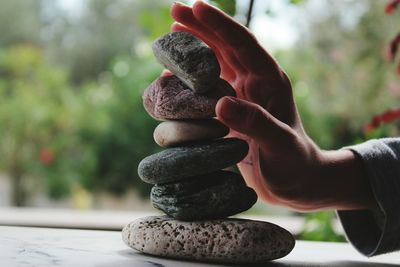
28	246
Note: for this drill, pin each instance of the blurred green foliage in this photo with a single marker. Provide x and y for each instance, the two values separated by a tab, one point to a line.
319	226
71	109
228	6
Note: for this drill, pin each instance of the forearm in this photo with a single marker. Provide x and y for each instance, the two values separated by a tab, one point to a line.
344	182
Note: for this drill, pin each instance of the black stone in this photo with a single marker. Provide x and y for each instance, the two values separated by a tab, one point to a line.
210	196
182	163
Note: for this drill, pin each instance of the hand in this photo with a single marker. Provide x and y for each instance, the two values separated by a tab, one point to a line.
283	166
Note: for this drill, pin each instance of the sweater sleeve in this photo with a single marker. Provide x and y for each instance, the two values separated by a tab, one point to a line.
374	232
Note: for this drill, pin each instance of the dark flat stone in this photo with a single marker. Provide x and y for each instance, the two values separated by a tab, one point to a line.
189	58
168	98
210	196
182	163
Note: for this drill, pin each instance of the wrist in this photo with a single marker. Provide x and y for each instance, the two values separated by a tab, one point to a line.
344	181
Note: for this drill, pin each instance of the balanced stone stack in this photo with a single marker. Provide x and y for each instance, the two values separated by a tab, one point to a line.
190	183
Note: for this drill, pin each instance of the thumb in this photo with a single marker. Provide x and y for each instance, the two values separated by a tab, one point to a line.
166	72
252	120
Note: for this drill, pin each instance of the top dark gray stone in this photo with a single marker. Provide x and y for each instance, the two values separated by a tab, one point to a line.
189	58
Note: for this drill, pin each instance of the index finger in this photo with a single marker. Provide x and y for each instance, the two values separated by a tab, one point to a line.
243	43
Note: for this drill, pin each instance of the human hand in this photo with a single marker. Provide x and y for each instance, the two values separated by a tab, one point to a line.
283	166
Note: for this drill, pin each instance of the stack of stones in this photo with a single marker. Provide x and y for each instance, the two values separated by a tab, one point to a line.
190	185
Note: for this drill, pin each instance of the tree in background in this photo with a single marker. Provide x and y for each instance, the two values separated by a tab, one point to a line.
37	118
392	114
66	125
339	74
24	28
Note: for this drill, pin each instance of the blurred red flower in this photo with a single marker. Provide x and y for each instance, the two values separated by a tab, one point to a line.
391	6
394	47
385	117
46	156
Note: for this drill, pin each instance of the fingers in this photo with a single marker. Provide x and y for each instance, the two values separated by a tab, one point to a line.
227	72
235	37
252	120
184	15
166	72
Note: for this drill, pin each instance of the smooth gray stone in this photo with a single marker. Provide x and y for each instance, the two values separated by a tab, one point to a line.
168	98
173	133
235	241
182	163
188	58
210	196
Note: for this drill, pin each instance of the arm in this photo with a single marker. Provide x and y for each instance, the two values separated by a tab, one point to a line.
284	166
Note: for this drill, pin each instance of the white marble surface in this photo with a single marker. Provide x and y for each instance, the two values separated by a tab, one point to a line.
26	246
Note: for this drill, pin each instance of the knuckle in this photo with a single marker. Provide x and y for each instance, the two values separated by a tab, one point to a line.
255	116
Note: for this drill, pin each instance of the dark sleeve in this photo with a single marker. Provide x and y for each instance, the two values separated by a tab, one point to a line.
374	232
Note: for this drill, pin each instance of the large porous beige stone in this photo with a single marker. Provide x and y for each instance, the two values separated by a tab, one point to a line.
227	241
174	133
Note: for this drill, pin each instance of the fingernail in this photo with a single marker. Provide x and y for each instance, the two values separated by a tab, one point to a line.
166	73
174	24
177	3
199	2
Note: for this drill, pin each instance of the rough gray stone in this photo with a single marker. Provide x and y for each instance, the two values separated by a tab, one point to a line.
226	241
188	58
173	133
210	196
168	98
182	163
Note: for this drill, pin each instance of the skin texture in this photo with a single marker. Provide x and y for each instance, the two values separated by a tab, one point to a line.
284	166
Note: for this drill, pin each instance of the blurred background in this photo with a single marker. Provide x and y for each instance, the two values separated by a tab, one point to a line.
73	128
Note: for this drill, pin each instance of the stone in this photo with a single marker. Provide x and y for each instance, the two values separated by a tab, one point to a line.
210	196
182	163
235	241
168	98
174	133
189	58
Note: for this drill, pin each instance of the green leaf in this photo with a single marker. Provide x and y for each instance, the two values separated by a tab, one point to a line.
228	6
296	2
156	21
269	12
319	227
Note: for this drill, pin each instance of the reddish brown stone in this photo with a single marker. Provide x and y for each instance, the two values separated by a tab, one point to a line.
168	98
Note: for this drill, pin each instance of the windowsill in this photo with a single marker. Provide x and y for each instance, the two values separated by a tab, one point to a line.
105	219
